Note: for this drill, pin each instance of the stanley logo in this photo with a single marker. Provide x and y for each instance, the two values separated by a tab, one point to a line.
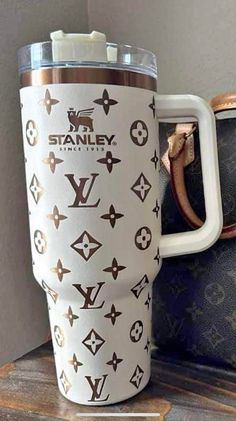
80	119
81	131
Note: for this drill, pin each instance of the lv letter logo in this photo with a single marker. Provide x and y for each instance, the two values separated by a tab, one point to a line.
82	191
97	386
90	295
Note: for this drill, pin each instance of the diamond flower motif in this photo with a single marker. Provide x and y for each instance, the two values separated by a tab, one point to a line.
56	217
213	336
65	382
59	336
86	245
137	289
48	101
114	361
114	269
136	331
40	241
109	161
156	209
105	101
36	189
71	316
75	363
155	159
93	342
139	133
112	216
53	294
141	187
137	377
143	238
152	106
52	161
31	133
60	270
113	314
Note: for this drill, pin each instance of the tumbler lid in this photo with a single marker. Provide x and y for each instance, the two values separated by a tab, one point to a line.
85	50
82	47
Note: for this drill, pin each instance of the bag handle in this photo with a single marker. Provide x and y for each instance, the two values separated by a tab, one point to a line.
177	152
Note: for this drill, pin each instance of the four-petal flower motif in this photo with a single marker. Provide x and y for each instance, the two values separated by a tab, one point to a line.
114	269
56	217
113	314
48	101
143	238
75	363
105	101
114	361
156	209
109	161
52	161
112	216
139	133
71	316
60	270
155	159
152	106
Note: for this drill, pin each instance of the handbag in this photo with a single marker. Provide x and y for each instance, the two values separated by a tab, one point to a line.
195	296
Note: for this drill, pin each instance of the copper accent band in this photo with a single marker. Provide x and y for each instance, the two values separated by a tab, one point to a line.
87	75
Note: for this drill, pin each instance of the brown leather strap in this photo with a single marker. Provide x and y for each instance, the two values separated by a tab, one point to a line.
177	153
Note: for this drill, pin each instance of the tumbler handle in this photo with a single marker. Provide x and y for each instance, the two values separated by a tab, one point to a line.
195	241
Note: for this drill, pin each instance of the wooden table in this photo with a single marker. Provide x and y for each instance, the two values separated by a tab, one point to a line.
179	391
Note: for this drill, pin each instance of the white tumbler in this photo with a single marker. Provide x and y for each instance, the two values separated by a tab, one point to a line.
90	127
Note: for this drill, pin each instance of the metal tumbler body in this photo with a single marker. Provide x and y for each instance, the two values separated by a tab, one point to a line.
92	175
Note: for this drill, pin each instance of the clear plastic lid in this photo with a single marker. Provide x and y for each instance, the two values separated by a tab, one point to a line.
82	50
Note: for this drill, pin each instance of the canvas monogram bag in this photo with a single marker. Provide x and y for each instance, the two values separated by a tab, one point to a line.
195	295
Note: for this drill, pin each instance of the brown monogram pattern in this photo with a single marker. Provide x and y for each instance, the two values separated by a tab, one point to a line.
95	226
194	297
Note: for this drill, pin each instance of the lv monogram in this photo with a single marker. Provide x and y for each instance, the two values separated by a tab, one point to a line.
90	295
97	386
82	191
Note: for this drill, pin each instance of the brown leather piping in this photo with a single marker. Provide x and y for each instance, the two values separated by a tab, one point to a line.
219	103
87	75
